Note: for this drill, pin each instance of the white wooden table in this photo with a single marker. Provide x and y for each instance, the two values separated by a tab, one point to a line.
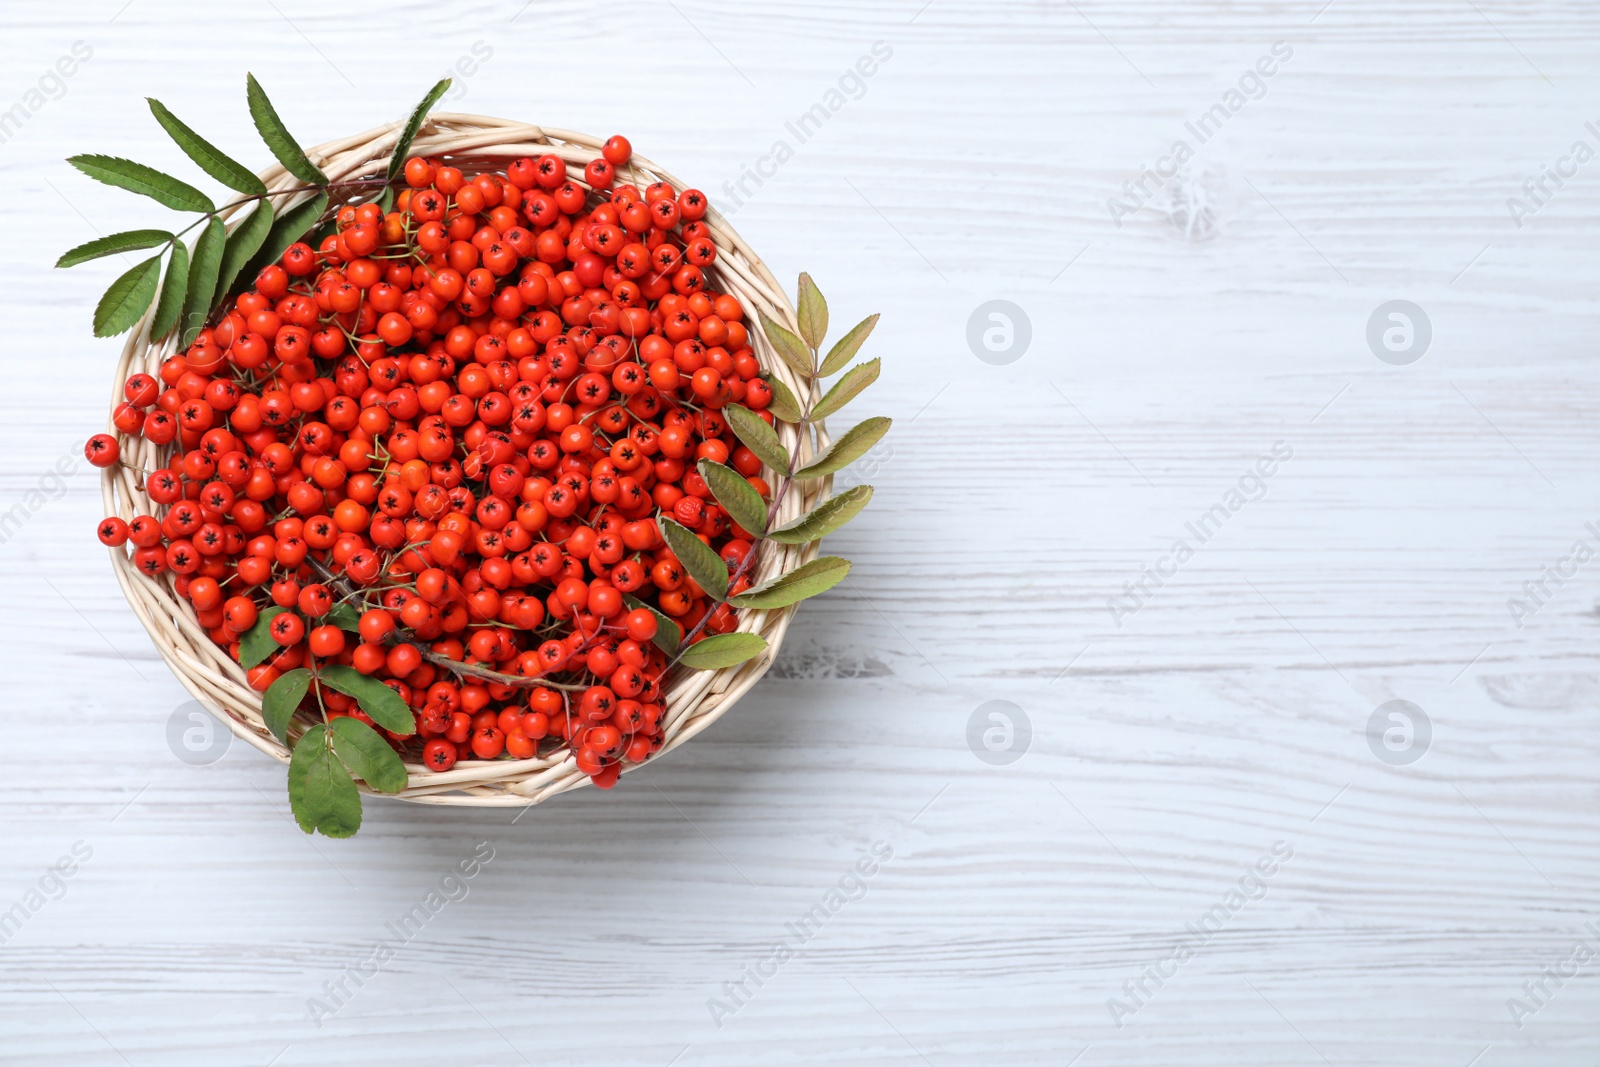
1031	910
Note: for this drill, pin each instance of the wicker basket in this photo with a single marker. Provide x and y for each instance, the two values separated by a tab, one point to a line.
693	699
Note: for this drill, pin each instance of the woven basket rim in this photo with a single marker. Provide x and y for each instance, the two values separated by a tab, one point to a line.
692	699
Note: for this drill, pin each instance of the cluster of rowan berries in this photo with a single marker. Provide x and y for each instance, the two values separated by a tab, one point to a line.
437	443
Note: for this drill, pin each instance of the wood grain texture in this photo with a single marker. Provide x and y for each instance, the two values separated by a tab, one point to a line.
1169	753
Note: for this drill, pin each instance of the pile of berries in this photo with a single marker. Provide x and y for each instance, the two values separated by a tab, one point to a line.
452	426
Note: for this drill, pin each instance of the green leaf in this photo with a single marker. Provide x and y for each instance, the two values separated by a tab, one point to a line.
697	557
174	287
243	243
344	616
784	406
128	241
257	643
823	519
278	137
736	495
845	349
845	389
813	312
849	448
146	181
204	153
127	299
386	199
791	348
806	580
385	706
397	161
723	650
758	437
290	227
667	634
282	699
320	790
203	267
368	756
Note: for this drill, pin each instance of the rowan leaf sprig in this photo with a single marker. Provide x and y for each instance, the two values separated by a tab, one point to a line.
195	281
734	493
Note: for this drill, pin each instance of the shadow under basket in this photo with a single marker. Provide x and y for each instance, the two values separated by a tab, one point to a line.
692	699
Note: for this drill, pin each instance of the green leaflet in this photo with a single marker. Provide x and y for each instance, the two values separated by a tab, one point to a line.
813	310
697	557
805	581
848	448
321	794
845	389
368	756
791	348
205	154
846	347
282	698
397	160
736	495
784	406
243	243
385	706
753	431
667	635
288	228
344	616
146	181
174	287
128	241
127	299
203	267
257	643
277	135
722	650
825	518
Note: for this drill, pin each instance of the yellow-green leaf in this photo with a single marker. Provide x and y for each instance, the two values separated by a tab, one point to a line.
736	495
813	312
758	437
784	406
321	793
127	299
697	557
667	632
825	518
806	580
723	650
368	756
847	449
789	347
845	349
845	389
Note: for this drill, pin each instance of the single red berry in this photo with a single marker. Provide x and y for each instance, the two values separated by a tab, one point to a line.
102	450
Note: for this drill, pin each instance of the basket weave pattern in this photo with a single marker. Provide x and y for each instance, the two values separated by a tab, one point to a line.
693	699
